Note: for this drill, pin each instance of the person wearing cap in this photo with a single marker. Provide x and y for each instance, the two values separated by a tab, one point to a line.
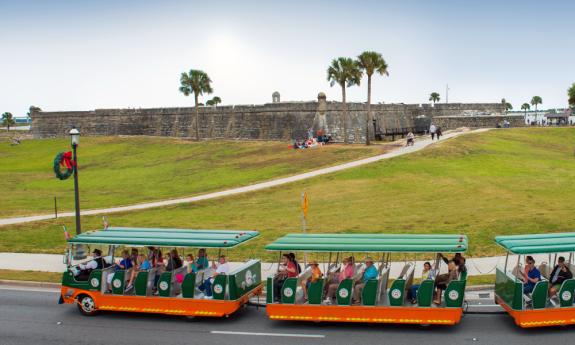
370	272
315	276
97	262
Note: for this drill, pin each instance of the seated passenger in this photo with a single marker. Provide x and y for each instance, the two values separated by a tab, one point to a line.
174	261
345	272
315	276
134	255
142	264
297	265
221	268
427	273
155	257
125	264
530	276
191	266
202	261
286	269
559	274
443	280
370	272
97	262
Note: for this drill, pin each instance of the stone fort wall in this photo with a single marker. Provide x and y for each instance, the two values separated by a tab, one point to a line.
272	121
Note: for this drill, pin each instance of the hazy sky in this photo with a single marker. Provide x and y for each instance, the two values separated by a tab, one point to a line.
80	55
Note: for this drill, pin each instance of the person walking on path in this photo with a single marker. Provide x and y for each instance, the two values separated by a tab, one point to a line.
438	132
410	138
432	130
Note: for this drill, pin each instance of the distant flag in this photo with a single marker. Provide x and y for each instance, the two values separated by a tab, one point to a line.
66	233
106	224
304	204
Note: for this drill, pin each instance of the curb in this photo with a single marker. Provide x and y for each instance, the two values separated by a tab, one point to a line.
44	285
480	287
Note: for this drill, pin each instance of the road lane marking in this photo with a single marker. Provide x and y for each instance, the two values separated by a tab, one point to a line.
28	289
292	335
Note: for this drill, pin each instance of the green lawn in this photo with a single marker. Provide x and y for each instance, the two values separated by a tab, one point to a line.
487	184
119	170
49	277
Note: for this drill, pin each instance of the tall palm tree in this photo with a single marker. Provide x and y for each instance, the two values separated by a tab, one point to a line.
535	101
525	107
8	120
198	83
371	62
571	94
508	106
434	97
345	72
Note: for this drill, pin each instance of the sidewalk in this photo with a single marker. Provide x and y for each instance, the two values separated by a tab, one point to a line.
54	263
419	145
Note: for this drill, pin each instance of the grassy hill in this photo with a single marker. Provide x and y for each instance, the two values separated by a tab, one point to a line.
482	185
126	170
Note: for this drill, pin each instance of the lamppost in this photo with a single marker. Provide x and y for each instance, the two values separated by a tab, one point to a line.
75	141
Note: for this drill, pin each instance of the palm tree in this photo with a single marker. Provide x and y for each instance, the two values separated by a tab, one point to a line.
198	83
525	107
216	100
345	72
571	93
508	106
535	101
8	120
434	97
371	62
210	103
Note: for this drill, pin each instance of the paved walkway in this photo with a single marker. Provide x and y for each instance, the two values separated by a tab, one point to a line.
419	145
54	263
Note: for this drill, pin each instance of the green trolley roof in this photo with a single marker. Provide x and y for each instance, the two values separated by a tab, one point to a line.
539	243
159	237
410	243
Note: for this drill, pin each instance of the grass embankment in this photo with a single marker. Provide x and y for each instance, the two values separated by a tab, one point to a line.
119	170
483	185
48	277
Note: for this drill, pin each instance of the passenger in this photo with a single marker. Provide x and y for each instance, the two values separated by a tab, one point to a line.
174	261
221	268
443	280
191	265
142	265
286	269
461	267
134	255
345	272
125	264
559	274
202	260
155	257
370	272
531	275
97	262
297	265
315	276
427	273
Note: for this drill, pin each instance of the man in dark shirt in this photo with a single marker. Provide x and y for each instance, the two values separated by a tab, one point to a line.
559	274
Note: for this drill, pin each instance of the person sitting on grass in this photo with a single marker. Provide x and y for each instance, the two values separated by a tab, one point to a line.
559	274
315	276
221	268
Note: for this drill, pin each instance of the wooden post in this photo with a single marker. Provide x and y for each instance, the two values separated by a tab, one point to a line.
55	208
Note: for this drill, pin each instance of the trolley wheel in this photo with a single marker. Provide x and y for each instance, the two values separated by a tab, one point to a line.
87	305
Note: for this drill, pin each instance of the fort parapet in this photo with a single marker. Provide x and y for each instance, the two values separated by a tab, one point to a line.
270	121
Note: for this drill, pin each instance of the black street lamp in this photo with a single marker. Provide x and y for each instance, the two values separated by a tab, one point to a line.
75	141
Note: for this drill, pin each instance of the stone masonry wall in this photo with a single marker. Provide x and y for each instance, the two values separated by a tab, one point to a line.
272	121
480	121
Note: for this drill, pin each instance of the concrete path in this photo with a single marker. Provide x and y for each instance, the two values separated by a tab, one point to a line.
419	145
54	263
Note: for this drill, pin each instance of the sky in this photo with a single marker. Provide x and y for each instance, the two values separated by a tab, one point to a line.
83	55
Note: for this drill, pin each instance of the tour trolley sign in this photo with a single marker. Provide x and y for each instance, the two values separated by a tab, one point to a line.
175	296
535	309
379	303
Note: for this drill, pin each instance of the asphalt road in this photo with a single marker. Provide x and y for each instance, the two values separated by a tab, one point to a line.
34	317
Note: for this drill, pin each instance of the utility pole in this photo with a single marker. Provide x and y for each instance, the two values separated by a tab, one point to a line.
446	93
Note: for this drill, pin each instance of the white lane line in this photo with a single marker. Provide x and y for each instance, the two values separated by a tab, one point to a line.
28	289
291	335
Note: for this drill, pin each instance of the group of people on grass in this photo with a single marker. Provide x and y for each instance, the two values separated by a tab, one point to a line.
139	262
531	275
312	141
290	268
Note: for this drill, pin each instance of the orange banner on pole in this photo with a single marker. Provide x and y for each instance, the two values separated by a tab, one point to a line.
304	204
